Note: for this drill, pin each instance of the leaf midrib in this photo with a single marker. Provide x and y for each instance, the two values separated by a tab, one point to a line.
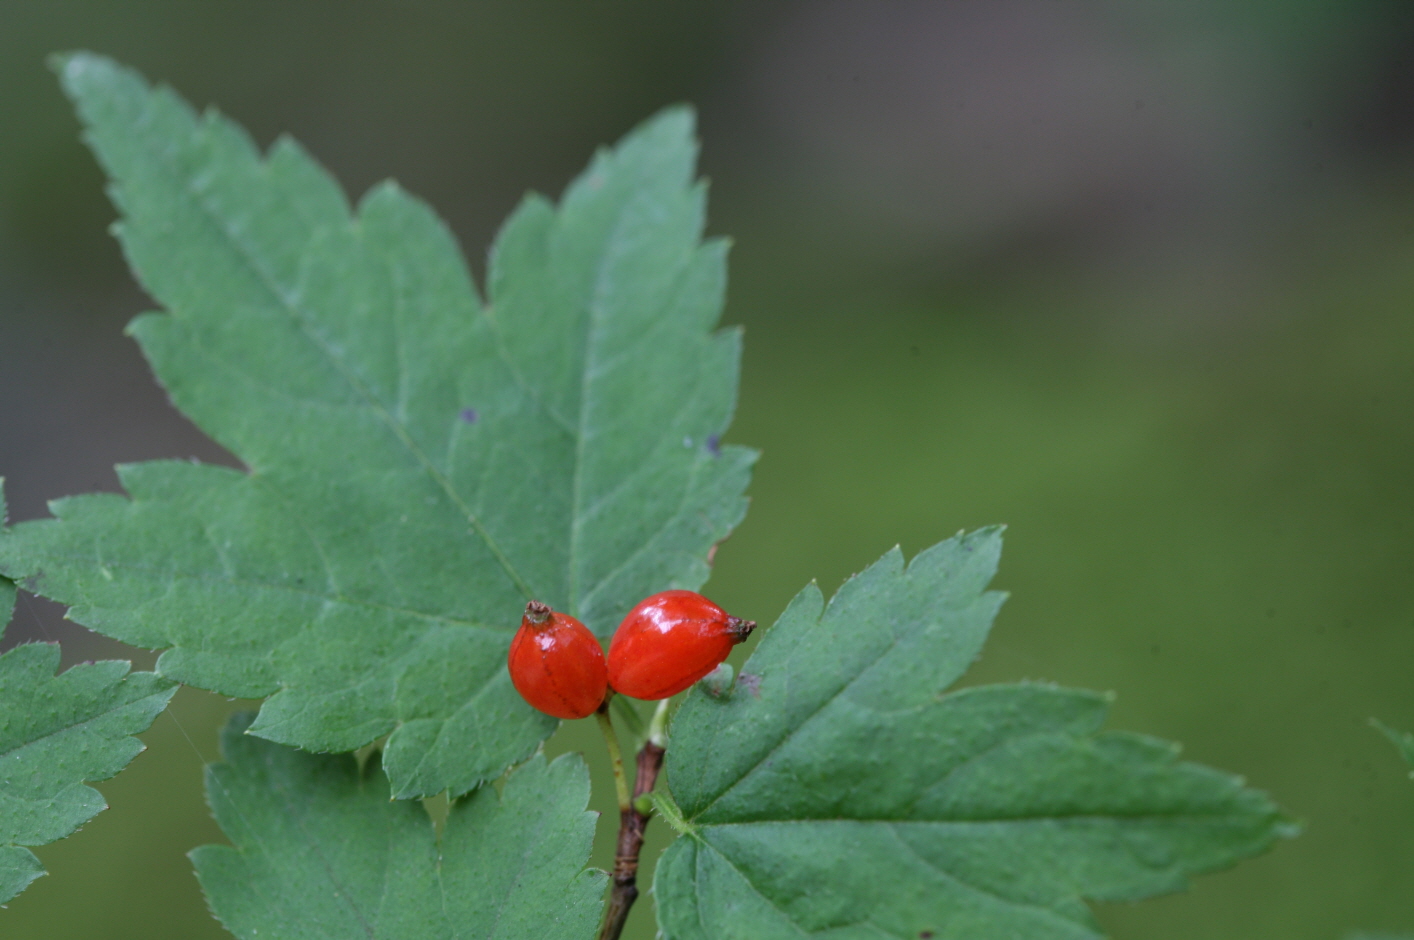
292	807
40	554
825	703
982	820
951	876
591	335
792	732
1011	902
581	594
82	725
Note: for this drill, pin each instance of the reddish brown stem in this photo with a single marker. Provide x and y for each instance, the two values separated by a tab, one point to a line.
632	824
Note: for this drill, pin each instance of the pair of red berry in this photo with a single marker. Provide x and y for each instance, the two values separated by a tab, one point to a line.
665	644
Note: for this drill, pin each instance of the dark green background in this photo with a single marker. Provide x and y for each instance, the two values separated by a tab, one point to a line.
1133	278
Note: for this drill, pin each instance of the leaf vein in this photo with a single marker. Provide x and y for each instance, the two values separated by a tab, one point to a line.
758	892
292	807
590	346
633	556
109	712
792	732
273	586
954	877
291	307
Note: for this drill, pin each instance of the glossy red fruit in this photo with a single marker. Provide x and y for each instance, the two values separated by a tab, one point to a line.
556	663
669	641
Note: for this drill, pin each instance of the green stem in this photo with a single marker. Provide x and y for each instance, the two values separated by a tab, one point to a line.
611	741
658	727
664	806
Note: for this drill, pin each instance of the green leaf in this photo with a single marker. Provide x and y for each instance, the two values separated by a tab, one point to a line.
1403	740
841	793
55	733
321	851
419	464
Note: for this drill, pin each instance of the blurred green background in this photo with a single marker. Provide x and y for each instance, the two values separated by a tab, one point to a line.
1134	278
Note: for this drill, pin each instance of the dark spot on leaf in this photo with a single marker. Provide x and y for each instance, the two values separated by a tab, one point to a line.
469	415
925	934
714	445
750	682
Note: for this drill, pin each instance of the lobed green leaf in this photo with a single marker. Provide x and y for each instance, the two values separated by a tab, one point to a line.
321	851
55	733
418	463
840	792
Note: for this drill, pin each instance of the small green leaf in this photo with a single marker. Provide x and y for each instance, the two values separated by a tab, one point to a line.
419	464
55	733
321	851
1403	740
847	796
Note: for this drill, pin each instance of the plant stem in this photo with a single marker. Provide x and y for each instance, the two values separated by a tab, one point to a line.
658	727
632	824
611	741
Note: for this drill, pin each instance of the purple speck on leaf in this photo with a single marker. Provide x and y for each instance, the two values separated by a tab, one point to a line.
714	445
750	682
469	415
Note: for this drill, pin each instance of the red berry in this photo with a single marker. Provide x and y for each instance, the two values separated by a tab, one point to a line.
669	641
556	663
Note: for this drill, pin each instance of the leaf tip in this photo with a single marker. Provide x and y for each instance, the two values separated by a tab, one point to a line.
680	119
667	139
59	61
79	66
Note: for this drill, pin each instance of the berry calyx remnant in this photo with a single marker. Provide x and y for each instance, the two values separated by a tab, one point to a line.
556	663
669	641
